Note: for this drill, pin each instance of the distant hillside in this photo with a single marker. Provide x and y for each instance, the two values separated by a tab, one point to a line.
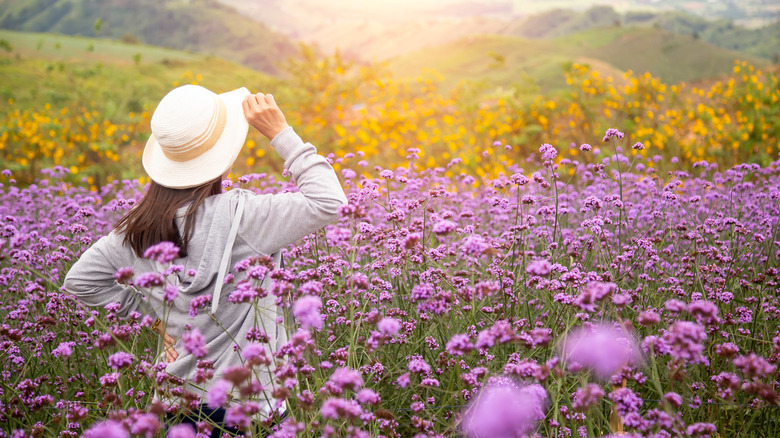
203	26
381	33
501	60
763	42
41	68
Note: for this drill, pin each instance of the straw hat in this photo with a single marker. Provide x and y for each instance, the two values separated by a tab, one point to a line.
196	136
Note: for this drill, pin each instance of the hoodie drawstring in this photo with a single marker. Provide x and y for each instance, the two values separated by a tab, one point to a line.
223	266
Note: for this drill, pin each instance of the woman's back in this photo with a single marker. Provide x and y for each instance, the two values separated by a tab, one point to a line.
267	224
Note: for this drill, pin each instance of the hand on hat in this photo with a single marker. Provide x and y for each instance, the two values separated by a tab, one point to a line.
262	112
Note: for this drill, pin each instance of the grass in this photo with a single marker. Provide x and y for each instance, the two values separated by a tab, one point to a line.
61	48
47	68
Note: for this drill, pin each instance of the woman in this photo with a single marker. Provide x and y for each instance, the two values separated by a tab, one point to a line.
196	137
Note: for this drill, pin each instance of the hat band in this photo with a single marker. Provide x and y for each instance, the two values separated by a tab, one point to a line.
204	142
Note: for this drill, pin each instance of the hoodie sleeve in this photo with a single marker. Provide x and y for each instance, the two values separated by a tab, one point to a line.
91	279
272	222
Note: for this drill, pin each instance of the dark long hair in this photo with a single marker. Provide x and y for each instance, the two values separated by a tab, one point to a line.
153	219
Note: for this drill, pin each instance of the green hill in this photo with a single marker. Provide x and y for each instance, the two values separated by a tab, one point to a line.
762	42
202	26
510	60
59	69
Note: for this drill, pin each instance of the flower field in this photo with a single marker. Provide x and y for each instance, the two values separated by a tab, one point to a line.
586	294
345	108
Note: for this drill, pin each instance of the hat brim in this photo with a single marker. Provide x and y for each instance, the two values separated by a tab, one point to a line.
211	164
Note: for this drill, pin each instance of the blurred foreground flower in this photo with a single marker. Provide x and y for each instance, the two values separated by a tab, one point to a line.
504	409
602	348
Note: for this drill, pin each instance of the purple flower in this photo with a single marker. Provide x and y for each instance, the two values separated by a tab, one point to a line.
753	366
585	398
474	245
726	349
107	429
388	326
171	292
429	381
145	424
150	279
519	179
367	395
727	383
338	234
181	431
307	311
65	349
346	378
525	369
163	252
199	303
255	354
675	306
638	146
674	399
422	292
120	360
626	401
444	226
539	267
684	340
603	348
704	311
109	379
403	380
612	132
217	395
419	366
123	275
649	317
548	151
702	430
194	342
585	147
236	417
348	173
504	410
593	293
459	344
337	408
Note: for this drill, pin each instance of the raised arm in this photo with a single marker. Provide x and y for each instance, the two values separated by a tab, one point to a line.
274	221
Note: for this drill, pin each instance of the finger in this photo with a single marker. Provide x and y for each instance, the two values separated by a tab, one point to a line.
269	98
170	355
169	339
260	98
245	104
251	102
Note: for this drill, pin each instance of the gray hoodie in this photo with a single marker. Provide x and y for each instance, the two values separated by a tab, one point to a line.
267	224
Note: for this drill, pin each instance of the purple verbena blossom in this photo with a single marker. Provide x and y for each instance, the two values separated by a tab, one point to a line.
307	312
120	360
194	342
388	326
163	252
